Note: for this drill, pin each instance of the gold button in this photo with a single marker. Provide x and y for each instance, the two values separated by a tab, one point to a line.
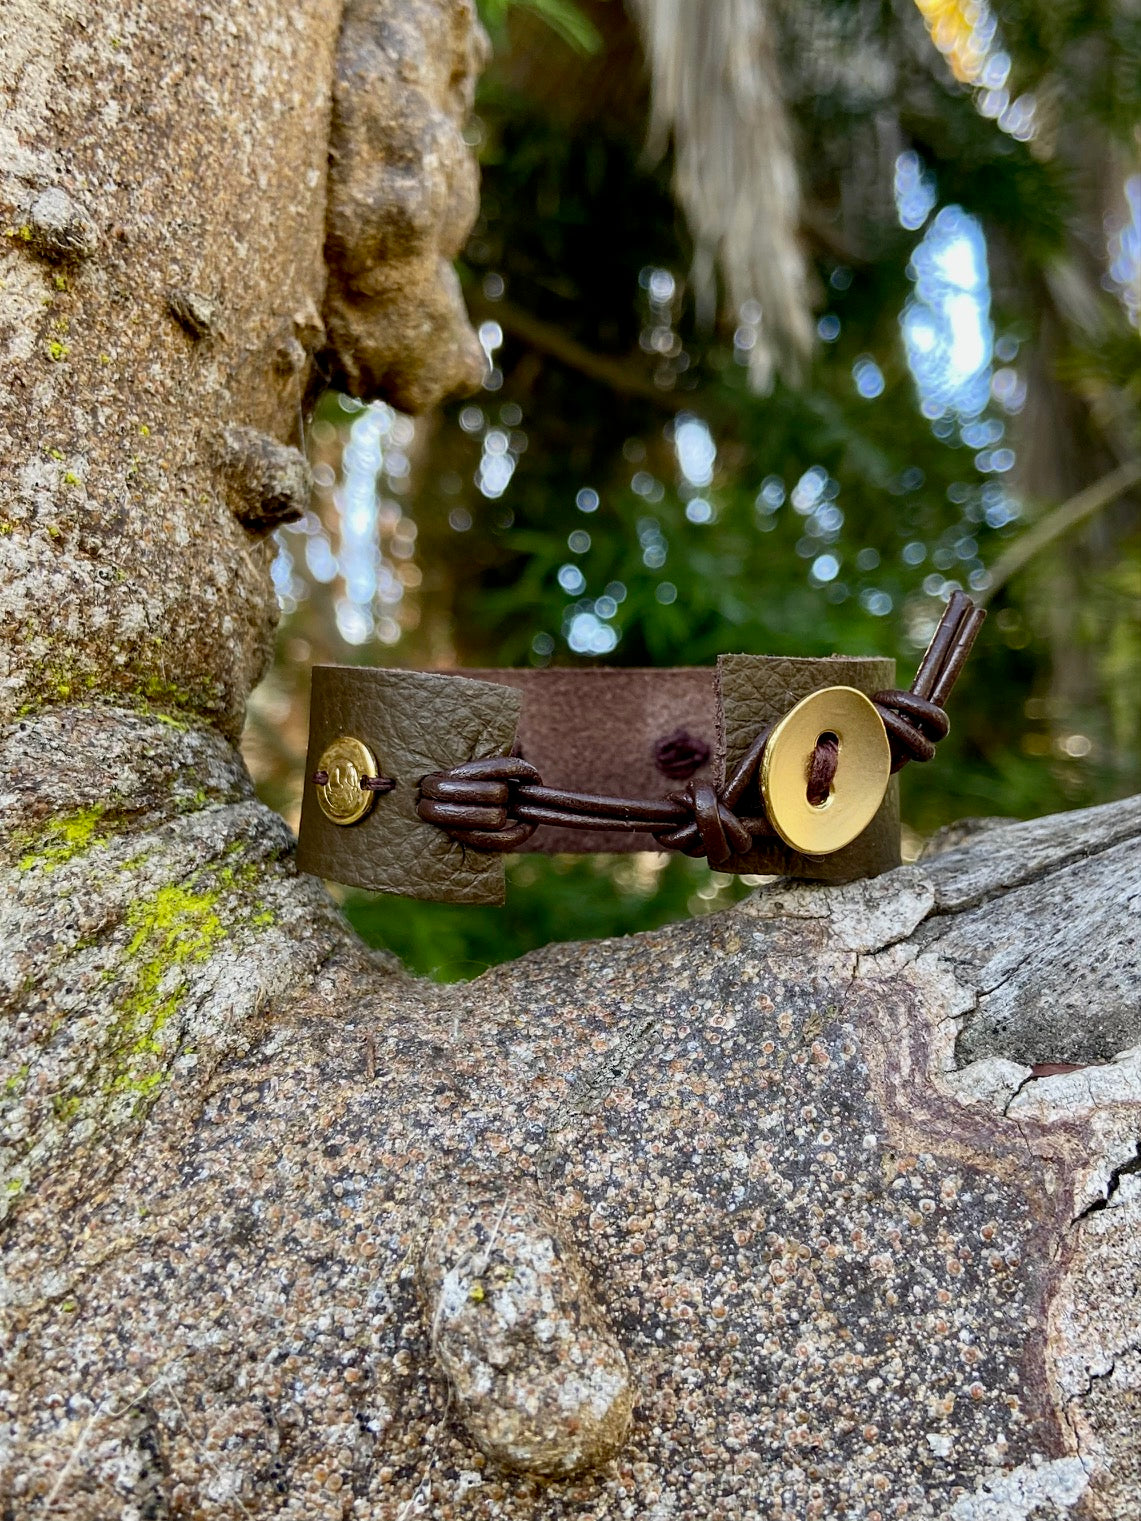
863	769
342	798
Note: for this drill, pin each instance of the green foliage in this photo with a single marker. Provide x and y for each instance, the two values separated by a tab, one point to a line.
1087	52
563	17
1015	193
549	898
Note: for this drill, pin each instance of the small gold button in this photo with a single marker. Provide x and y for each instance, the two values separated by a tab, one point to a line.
342	798
863	769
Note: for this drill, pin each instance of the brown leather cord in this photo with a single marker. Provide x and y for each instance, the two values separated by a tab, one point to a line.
497	803
368	783
822	769
377	783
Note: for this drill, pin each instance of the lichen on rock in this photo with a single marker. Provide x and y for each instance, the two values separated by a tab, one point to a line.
141	922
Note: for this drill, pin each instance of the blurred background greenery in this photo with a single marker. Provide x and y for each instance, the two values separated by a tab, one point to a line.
942	205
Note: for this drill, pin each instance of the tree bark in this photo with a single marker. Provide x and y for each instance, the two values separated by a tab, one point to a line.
785	1212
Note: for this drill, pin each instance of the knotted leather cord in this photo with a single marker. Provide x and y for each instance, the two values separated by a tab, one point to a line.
498	803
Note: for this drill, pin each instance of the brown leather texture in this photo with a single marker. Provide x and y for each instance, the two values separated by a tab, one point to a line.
756	690
596	730
413	722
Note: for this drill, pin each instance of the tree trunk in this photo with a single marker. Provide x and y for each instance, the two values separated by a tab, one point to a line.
785	1212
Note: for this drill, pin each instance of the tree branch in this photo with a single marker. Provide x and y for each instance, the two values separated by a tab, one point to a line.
1055	524
548	339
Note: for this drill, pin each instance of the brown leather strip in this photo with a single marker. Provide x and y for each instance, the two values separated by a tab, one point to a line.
457	816
939	648
746	769
451	789
535	813
925	716
908	741
598	731
628	813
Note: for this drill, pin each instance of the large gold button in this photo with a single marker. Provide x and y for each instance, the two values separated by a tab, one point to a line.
342	798
863	768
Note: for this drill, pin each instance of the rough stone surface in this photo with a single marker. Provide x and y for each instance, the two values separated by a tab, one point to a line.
60	230
845	1279
268	483
122	569
147	913
537	1378
1071	999
196	312
403	193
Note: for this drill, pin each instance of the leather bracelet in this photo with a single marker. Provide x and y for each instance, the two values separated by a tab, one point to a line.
419	782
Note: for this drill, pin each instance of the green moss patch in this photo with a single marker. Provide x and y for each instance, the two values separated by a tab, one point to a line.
176	928
62	839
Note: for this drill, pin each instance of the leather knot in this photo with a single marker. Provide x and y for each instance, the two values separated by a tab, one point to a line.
715	832
914	725
472	802
822	767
